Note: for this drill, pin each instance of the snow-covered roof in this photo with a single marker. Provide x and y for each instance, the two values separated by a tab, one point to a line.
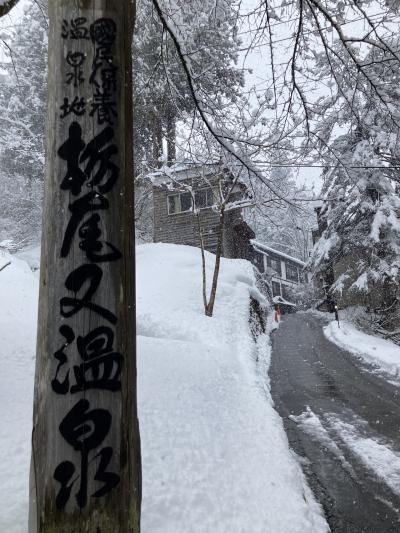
263	248
282	301
184	171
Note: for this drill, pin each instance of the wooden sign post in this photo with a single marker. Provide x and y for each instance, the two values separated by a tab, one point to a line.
85	469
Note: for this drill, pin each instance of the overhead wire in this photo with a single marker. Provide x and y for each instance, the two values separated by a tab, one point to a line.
300	165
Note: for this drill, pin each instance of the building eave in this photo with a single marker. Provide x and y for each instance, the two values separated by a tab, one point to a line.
264	249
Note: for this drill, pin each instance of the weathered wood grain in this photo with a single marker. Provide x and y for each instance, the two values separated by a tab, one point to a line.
117	511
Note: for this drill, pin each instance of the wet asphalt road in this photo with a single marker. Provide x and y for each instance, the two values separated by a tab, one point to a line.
307	371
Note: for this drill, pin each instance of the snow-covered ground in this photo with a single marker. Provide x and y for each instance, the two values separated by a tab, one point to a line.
378	455
382	353
215	455
18	312
312	425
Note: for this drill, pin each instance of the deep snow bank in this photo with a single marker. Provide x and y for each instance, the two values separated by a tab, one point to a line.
18	312
215	456
380	352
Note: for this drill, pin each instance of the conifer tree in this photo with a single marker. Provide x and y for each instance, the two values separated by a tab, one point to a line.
161	94
361	213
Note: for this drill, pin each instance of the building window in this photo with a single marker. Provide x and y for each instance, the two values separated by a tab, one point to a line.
292	273
275	264
182	202
179	203
276	288
204	198
286	293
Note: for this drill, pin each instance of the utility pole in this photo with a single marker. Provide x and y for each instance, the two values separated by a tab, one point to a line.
85	468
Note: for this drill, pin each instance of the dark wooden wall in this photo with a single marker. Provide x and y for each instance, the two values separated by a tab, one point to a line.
182	228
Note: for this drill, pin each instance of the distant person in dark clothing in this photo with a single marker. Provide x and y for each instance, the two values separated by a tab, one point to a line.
331	306
331	303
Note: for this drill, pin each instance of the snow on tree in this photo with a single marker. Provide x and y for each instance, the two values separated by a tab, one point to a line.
162	96
286	221
361	215
22	117
165	115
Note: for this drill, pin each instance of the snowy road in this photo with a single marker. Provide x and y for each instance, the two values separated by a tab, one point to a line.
344	419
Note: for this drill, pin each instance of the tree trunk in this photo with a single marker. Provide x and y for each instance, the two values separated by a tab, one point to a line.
85	469
157	141
203	260
171	139
218	253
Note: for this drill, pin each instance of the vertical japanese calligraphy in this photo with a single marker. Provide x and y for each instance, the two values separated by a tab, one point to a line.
86	361
103	77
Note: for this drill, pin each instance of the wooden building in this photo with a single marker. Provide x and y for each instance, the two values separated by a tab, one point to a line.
184	189
284	271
